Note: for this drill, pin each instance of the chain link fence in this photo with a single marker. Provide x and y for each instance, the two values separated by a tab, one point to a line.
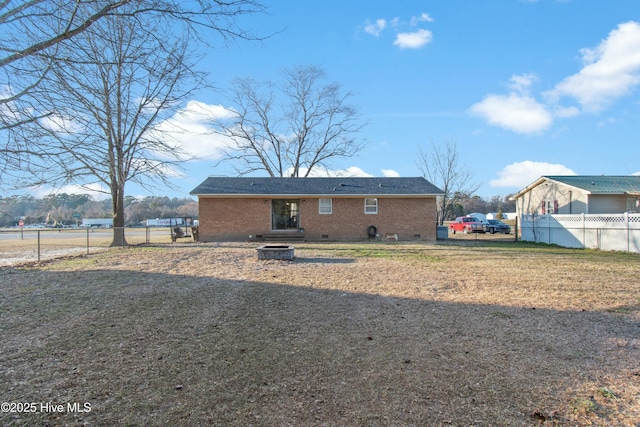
20	245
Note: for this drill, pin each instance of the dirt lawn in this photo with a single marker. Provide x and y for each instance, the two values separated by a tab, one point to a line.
464	333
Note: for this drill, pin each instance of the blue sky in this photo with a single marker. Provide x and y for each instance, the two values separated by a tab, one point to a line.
523	88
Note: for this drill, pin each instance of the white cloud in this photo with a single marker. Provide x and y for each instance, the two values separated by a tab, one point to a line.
95	190
191	129
521	174
60	124
424	17
564	112
611	70
515	112
519	111
352	171
413	40
375	28
197	111
522	82
390	173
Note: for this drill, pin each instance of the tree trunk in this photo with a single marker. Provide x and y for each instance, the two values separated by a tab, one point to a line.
443	210
117	197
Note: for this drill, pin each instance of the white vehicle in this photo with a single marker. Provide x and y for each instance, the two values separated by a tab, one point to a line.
481	217
97	222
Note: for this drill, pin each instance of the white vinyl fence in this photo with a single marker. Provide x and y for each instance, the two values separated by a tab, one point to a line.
609	232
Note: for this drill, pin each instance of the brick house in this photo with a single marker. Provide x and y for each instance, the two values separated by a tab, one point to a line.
315	209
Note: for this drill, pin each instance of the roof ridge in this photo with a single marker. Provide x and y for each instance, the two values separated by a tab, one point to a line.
338	186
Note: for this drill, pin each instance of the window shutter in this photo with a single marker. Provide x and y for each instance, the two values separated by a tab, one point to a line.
555	206
543	206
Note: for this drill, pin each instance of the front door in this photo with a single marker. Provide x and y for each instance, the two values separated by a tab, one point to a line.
284	214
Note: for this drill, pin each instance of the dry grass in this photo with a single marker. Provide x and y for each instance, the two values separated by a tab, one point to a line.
467	333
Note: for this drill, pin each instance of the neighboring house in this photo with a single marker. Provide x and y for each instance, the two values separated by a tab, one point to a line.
346	209
577	194
505	215
480	216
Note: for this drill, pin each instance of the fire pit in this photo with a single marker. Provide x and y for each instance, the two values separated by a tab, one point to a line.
281	252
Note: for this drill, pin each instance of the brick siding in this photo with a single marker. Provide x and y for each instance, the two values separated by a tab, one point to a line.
235	219
231	219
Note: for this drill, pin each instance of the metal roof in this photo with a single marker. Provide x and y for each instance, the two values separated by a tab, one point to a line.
592	184
601	184
330	187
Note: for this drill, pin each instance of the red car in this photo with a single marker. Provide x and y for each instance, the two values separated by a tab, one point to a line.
466	224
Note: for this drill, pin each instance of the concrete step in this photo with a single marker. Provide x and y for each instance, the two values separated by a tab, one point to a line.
294	236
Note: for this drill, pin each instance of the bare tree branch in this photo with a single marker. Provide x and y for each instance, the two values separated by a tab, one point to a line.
441	166
290	128
71	29
35	34
103	103
63	20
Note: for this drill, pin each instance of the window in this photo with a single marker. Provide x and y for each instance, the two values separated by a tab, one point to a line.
325	206
371	206
549	207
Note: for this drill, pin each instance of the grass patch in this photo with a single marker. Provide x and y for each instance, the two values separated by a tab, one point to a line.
362	334
585	406
379	250
624	309
606	393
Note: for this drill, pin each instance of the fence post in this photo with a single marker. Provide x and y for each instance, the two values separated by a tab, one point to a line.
584	231
87	240
38	245
516	228
626	224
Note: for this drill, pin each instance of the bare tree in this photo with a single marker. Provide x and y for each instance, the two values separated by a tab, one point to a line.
34	29
104	99
23	24
100	104
441	166
35	34
290	128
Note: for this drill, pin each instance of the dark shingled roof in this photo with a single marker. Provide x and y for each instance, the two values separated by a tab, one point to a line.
333	187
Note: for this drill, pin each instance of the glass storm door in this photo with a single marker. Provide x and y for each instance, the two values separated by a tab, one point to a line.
284	214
